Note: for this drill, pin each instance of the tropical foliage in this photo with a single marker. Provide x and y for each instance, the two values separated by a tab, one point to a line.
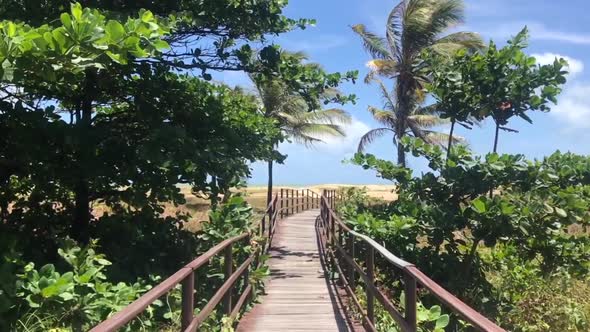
105	109
413	27
499	83
419	122
445	221
293	115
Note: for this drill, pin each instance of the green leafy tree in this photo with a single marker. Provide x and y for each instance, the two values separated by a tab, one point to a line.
445	222
419	122
413	27
498	83
293	115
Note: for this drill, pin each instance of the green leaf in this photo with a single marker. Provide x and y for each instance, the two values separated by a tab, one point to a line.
77	11
115	30
11	29
161	45
118	58
103	262
479	205
147	16
66	296
66	19
47	270
442	322
434	312
560	212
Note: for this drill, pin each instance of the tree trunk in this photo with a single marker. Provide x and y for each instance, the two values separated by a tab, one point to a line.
82	215
491	193
450	143
269	190
496	137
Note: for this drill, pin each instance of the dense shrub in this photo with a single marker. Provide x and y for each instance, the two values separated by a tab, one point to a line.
458	222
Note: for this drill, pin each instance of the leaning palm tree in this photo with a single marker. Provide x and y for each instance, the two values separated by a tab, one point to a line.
414	27
417	123
295	119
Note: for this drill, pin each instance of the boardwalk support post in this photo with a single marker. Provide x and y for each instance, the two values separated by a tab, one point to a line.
228	271
370	261
281	203
287	202
188	300
351	276
410	299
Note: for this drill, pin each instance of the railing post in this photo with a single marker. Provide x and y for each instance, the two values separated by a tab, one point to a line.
228	270
281	205
247	273
370	261
307	199
333	199
297	201
351	280
293	201
188	300
410	297
287	202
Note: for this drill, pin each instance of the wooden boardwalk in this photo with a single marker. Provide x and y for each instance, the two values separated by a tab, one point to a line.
299	297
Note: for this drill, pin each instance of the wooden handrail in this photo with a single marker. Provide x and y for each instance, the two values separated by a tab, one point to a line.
338	254
186	275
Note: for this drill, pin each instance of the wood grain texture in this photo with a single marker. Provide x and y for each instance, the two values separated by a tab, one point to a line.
299	296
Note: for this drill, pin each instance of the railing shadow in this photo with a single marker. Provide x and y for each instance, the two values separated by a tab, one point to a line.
344	322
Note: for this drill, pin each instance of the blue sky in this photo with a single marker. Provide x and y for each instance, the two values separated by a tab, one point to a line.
557	29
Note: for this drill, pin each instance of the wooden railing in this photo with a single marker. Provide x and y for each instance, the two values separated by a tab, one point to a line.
340	242
297	201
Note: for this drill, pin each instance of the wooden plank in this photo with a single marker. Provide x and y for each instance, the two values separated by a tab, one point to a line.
298	295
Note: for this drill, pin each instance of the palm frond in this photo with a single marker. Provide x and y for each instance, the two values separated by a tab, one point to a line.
446	14
371	136
306	140
329	116
469	40
435	137
379	67
386	118
427	121
388	98
432	109
394	30
424	20
374	44
318	130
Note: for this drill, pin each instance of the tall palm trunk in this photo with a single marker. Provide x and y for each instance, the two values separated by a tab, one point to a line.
269	190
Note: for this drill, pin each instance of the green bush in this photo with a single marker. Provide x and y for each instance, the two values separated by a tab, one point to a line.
459	222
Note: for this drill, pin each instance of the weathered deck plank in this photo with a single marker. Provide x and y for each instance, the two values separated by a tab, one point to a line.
298	295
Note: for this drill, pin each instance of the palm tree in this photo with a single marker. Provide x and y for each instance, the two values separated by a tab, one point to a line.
417	123
294	118
413	27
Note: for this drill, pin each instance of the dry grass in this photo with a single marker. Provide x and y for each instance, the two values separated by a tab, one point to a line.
198	208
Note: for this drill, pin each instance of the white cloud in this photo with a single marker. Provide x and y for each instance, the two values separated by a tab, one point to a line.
575	66
537	31
354	131
574	106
